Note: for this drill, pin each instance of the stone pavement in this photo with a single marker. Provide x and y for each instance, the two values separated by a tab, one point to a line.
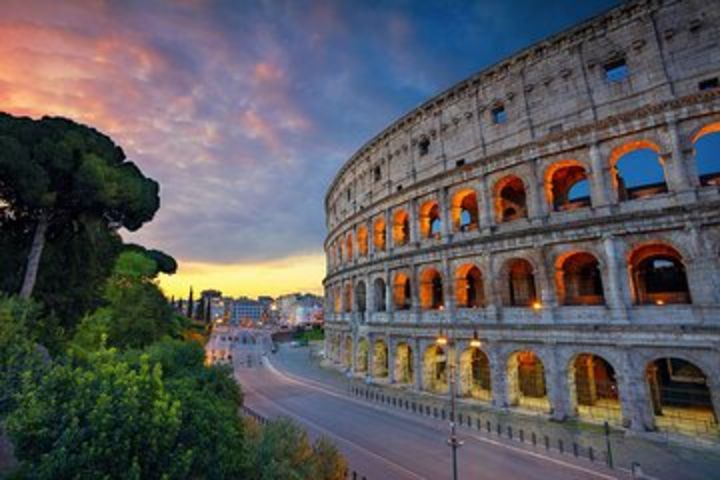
659	457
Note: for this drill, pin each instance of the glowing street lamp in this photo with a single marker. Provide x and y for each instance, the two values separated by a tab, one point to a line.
443	340
536	305
475	341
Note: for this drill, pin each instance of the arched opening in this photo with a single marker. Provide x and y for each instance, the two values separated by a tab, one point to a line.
379	294
404	372
510	201
464	211
379	234
680	397
347	352
360	297
431	289
567	186
475	374
435	370
380	359
658	275
349	247
430	222
579	280
348	298
401	292
361	359
526	382
707	154
401	228
637	170
362	238
594	389
520	290
469	291
337	298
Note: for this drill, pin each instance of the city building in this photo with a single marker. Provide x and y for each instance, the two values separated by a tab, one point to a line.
550	226
246	310
296	309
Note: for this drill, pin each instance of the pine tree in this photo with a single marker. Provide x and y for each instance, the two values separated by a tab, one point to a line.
190	304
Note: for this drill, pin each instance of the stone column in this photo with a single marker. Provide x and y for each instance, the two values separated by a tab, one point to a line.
599	181
546	284
353	355
493	302
486	219
537	208
391	359
417	364
556	379
415	292
445	229
677	169
389	300
414	219
448	289
370	305
617	295
634	398
702	271
388	230
370	237
370	357
498	377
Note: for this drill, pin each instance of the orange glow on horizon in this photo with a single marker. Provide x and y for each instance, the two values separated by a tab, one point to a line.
294	274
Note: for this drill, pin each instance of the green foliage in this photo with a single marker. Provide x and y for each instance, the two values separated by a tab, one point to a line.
100	420
281	449
19	354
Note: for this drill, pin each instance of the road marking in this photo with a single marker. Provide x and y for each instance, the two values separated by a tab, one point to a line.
334	435
295	379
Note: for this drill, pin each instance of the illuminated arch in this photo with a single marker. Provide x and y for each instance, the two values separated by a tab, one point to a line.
430	221
469	291
464	210
567	186
658	275
431	289
637	170
510	199
579	280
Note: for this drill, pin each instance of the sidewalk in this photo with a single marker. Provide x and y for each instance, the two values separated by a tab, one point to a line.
663	460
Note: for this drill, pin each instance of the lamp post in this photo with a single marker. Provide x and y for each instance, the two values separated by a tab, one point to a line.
449	342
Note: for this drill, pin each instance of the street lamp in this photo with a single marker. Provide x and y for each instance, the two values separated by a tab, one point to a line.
443	340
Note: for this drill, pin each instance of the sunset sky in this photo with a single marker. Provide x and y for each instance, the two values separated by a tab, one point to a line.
243	111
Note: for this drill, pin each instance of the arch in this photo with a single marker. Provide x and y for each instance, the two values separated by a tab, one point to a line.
680	397
706	144
402	293
567	186
347	352
362	239
526	381
361	356
435	369
348	298
337	299
404	368
431	289
658	275
430	222
475	374
401	228
637	170
520	288
379	234
464	210
339	252
510	199
578	279
469	291
380	359
349	246
594	389
379	294
360	296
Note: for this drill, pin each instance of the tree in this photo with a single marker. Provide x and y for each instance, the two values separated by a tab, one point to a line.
54	172
190	304
100	420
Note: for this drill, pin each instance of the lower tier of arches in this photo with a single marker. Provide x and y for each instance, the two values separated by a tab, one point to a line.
669	389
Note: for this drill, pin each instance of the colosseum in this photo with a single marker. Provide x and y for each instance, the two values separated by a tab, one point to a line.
544	236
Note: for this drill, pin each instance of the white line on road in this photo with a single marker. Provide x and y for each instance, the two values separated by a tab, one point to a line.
334	435
295	379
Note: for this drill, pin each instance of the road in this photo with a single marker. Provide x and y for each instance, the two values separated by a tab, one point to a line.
381	444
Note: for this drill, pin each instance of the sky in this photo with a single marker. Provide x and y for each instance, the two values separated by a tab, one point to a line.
245	110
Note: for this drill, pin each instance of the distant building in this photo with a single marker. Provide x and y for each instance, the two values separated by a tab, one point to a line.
246	310
297	309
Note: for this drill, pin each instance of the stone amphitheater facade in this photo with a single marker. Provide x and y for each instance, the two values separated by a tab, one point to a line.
505	210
